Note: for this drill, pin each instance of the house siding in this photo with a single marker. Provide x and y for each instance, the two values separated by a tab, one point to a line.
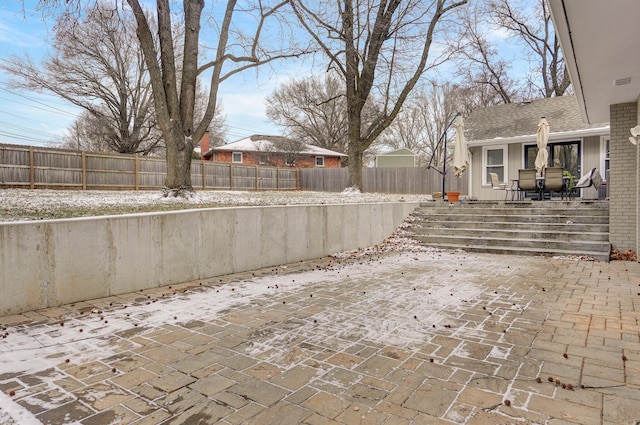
395	161
623	180
591	157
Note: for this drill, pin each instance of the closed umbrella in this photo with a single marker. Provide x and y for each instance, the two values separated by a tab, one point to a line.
542	136
460	152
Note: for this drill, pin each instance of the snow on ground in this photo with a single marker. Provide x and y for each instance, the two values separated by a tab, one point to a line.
24	204
43	348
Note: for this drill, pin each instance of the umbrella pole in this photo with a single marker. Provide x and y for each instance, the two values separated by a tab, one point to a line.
444	154
444	162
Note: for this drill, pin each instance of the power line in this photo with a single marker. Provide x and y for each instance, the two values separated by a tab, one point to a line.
49	107
26	138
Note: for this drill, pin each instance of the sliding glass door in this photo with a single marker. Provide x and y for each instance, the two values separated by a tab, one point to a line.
564	154
561	154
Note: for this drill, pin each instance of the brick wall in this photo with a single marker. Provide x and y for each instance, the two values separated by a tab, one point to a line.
623	184
276	160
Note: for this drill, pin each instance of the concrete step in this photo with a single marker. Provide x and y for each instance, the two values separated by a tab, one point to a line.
542	205
482	216
598	255
514	233
421	226
528	228
540	244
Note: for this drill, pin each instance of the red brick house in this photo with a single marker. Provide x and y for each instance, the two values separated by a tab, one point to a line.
272	150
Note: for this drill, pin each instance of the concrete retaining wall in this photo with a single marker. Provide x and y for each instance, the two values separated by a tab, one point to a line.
50	263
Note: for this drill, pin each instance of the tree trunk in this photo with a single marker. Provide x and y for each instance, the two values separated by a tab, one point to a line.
178	179
355	168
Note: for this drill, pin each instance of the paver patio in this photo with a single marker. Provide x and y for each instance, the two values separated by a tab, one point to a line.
397	338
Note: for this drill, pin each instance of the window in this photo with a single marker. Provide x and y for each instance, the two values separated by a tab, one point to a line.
236	157
319	161
264	159
494	160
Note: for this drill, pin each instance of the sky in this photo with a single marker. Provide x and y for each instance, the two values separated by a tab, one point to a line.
40	119
32	118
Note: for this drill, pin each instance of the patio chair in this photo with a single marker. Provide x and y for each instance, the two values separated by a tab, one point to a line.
591	179
496	185
527	181
553	181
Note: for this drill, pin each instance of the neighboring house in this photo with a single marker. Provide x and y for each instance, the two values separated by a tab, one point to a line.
600	41
399	158
502	139
274	150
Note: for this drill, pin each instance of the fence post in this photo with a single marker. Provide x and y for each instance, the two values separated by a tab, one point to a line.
32	171
277	178
204	179
136	171
257	174
230	176
84	170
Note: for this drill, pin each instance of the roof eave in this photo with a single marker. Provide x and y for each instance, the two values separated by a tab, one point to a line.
563	31
531	138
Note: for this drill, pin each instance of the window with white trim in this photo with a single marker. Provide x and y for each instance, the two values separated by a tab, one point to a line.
319	161
236	157
494	160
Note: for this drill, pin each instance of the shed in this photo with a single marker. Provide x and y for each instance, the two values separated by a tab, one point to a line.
400	158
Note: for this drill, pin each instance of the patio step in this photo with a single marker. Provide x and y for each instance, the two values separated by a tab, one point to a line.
520	227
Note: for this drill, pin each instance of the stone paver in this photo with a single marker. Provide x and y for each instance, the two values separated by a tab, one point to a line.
398	338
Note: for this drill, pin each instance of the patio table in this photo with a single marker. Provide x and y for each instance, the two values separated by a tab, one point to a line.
515	191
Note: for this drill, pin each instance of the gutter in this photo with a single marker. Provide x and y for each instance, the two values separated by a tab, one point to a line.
561	22
553	137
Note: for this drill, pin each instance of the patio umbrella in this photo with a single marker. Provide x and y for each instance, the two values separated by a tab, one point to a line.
542	136
460	152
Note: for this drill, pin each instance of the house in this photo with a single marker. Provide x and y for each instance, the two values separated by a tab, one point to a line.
399	158
273	150
601	49
502	139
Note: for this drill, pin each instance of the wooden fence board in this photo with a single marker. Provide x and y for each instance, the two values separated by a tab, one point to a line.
415	180
35	167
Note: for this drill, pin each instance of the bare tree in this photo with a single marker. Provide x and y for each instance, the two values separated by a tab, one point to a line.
96	67
536	31
94	134
485	72
174	85
285	151
313	110
420	124
360	38
489	75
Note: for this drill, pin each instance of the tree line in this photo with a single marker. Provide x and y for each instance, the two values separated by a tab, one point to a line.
387	73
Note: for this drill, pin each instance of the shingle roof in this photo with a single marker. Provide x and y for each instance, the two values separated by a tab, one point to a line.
261	143
521	119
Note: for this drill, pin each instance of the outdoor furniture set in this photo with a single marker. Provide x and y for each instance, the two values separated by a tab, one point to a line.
552	180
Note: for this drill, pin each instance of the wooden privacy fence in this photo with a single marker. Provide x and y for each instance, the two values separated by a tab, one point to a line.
38	168
35	168
416	180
